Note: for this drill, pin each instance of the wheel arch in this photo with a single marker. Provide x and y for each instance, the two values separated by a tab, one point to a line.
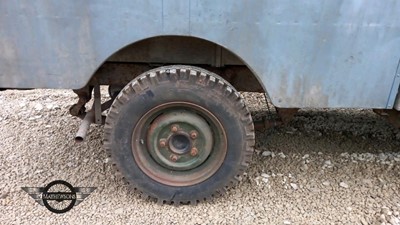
229	58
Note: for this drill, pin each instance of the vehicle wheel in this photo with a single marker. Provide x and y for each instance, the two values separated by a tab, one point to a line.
180	134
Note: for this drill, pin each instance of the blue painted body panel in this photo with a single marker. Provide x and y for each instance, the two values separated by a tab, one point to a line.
314	53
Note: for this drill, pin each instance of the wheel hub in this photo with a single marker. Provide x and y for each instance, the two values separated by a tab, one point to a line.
171	143
179	144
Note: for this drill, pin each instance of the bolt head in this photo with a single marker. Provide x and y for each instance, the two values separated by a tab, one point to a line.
173	158
162	143
194	151
193	134
174	128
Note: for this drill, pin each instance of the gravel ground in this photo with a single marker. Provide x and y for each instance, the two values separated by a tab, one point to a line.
327	167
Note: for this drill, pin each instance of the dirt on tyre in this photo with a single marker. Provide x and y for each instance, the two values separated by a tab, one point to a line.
180	134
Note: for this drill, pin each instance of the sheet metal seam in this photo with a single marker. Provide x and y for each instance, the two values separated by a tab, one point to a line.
393	97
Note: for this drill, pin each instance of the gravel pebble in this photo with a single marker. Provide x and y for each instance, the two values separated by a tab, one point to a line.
294	186
304	167
38	107
119	211
326	183
266	153
328	164
343	185
385	210
282	155
107	160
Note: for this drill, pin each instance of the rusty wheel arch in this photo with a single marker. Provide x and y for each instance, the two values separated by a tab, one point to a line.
135	58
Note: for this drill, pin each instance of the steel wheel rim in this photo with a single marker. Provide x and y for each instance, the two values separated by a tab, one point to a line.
152	153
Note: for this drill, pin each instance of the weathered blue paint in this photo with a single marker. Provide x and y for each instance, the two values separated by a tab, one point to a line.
314	53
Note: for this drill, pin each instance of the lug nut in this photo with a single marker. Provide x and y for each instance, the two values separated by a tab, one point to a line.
174	128
162	143
193	134
173	157
194	151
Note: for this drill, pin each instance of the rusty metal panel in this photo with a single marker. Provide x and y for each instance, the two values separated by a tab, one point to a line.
160	50
190	51
310	53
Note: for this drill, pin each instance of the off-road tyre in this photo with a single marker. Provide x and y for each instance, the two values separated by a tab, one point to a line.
179	84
